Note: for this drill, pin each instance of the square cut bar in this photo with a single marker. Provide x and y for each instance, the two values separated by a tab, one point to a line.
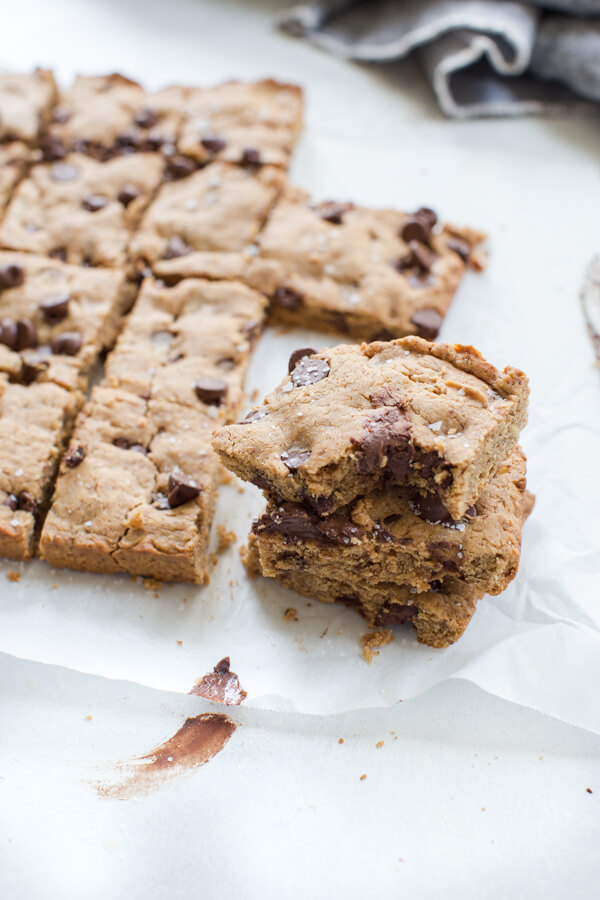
439	614
348	420
387	536
80	210
136	491
373	274
189	344
111	115
35	422
55	319
26	101
205	224
14	158
247	123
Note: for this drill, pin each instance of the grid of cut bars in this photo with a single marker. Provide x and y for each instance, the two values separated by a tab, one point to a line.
174	203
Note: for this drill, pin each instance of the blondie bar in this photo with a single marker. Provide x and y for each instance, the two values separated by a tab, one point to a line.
26	101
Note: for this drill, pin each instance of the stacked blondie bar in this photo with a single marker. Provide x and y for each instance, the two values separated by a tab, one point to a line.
394	480
144	238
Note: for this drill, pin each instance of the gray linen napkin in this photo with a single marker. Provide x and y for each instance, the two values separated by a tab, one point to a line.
482	57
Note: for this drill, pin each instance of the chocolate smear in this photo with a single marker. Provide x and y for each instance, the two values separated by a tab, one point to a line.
221	685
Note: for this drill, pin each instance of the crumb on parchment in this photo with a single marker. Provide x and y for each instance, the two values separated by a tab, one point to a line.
373	641
289	614
226	538
151	584
13	576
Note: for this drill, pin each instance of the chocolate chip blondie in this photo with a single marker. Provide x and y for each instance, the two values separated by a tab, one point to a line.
371	274
351	419
79	210
55	319
189	344
203	224
35	422
136	490
26	101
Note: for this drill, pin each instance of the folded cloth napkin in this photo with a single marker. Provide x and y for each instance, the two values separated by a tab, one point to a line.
482	57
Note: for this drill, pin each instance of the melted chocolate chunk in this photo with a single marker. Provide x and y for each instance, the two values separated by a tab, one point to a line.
26	334
211	390
427	323
250	157
55	308
334	212
94	202
293	459
32	366
180	167
53	149
12	501
67	344
213	144
299	354
309	371
128	194
286	298
457	245
339	529
63	172
146	118
181	490
26	502
385	445
11	276
290	520
396	614
431	508
74	457
176	246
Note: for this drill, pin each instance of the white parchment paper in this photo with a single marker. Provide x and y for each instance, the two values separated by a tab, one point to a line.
539	643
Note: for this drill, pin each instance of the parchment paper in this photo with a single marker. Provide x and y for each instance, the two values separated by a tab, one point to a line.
537	644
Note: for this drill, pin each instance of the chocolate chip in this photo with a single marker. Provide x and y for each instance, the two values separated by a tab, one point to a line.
339	529
435	586
74	457
63	172
11	501
309	371
26	502
146	118
286	298
68	343
58	253
459	246
94	202
53	148
180	167
396	614
223	667
124	444
11	276
293	459
211	390
8	333
334	212
213	144
32	367
253	416
26	334
427	323
130	140
290	520
250	157
421	255
55	308
297	355
418	226
128	194
176	246
385	445
431	508
181	490
471	512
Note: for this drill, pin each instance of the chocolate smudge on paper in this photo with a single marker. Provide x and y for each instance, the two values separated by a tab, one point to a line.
221	685
198	740
590	300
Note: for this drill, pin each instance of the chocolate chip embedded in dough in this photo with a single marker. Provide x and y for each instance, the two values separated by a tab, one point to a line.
8	333
61	171
26	334
11	276
309	371
286	298
32	366
176	247
94	202
11	500
418	226
459	246
26	502
211	390
253	416
333	212
299	354
385	444
146	118
339	529
431	508
396	614
293	459
427	323
74	457
181	490
53	148
180	167
55	308
67	344
127	194
58	253
421	255
290	520
213	144
250	157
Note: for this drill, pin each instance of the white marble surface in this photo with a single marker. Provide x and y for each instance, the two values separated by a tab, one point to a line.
477	798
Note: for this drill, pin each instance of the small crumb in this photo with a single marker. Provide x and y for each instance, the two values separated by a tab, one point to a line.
213	559
372	641
151	584
483	809
179	643
227	477
290	613
226	539
589	791
13	576
88	718
379	744
54	587
324	632
241	490
341	741
363	777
